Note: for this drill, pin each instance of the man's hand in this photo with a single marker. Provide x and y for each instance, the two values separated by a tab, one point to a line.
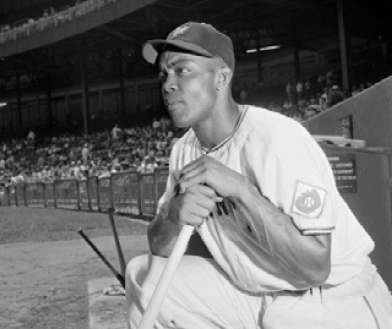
192	205
208	171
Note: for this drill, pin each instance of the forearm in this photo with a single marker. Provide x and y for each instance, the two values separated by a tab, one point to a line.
162	234
308	257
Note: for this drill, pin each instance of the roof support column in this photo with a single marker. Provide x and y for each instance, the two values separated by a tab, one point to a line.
48	89
343	46
68	116
259	59
85	95
297	74
122	86
19	101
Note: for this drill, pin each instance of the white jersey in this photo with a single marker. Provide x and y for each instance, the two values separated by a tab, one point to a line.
290	169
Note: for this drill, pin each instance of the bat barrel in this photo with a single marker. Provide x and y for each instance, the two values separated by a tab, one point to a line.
117	241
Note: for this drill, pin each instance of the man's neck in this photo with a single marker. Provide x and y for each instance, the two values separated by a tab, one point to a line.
214	131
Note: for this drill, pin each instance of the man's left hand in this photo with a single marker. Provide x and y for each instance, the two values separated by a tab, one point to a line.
206	170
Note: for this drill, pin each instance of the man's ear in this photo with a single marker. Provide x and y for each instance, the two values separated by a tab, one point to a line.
224	77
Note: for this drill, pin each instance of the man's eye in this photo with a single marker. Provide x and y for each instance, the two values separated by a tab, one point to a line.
181	70
161	77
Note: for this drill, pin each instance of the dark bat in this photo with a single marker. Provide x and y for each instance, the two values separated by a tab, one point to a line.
119	277
117	241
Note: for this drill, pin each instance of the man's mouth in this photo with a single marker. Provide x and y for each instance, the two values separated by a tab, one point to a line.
169	101
172	103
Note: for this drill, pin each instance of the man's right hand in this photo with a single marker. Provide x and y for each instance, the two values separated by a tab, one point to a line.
193	206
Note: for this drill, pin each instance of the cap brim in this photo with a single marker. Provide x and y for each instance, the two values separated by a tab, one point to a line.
152	49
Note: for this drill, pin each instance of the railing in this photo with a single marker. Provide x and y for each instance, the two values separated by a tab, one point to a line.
128	193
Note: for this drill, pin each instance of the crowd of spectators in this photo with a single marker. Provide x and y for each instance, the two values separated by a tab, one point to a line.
307	98
138	148
50	18
131	148
101	154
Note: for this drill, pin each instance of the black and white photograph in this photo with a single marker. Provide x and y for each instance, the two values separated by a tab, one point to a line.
195	164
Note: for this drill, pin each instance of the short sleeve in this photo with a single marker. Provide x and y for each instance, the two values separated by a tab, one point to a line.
293	173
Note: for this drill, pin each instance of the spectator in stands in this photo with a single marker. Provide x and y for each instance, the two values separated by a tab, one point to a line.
41	161
105	171
298	115
335	96
5	178
78	170
290	92
320	83
85	154
116	133
165	123
136	164
160	159
329	80
243	94
148	165
2	162
287	105
310	112
115	169
156	124
307	88
72	154
299	88
31	136
323	102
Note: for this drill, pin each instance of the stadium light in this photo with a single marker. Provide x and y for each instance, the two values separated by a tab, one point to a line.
273	47
2	104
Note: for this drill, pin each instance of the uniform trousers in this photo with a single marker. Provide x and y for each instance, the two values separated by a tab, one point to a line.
202	296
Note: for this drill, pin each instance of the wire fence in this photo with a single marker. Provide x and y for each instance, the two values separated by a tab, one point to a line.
128	193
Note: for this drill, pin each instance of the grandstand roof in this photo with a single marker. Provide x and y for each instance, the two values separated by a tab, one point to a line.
248	22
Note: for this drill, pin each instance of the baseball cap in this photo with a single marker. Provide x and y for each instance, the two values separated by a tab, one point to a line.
198	38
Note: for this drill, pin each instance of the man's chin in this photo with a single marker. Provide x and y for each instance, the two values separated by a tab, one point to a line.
180	124
183	125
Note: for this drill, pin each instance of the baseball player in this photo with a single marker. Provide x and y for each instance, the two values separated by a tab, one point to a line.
286	250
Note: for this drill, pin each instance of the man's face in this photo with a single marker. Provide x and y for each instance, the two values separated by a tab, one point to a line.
188	87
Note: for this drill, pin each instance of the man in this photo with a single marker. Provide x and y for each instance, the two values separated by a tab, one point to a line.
31	136
286	250
335	96
85	154
116	132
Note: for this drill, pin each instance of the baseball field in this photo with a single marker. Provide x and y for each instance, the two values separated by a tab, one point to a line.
49	276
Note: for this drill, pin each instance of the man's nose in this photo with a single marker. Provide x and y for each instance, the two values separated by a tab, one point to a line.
169	85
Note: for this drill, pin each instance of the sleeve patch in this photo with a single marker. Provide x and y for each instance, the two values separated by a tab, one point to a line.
308	200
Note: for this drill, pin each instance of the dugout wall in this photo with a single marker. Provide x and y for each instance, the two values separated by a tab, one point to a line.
363	180
367	116
364	175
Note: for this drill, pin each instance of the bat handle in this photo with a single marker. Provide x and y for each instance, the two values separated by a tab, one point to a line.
167	275
100	255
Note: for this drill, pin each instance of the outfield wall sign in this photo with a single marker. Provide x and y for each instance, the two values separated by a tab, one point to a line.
345	172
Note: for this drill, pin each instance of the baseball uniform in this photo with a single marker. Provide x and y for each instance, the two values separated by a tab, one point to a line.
289	169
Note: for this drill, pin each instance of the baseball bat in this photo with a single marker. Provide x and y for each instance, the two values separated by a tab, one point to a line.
119	277
154	306
117	242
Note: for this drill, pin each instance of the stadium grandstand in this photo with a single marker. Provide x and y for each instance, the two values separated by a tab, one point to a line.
78	100
83	127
